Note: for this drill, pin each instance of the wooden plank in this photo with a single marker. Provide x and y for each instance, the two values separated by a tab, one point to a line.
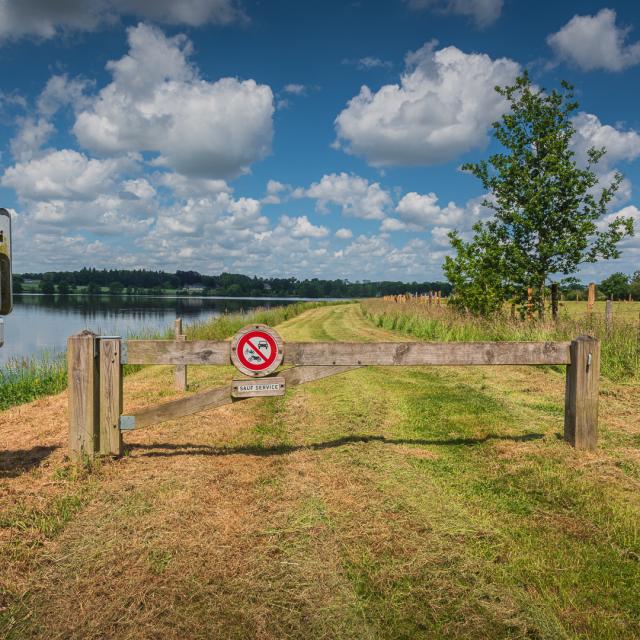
258	388
218	397
359	353
426	353
181	369
110	396
177	352
581	394
182	407
84	419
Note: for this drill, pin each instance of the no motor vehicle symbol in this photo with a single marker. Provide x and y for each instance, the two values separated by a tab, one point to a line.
257	350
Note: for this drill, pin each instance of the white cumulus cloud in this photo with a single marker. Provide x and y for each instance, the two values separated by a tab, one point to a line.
442	108
157	103
64	174
421	210
355	196
301	227
590	132
595	42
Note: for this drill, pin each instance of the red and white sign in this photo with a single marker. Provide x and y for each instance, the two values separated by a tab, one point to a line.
257	350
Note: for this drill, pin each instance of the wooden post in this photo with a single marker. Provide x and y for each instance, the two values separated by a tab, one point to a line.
181	369
592	296
608	315
554	300
84	414
529	303
581	394
110	396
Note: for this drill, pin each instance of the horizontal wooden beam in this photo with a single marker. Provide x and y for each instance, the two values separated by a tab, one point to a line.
353	354
177	408
216	398
176	352
426	353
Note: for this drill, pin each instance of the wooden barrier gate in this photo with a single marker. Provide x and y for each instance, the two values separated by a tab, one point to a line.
95	366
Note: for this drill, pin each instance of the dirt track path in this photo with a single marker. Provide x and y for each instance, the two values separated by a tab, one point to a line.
377	504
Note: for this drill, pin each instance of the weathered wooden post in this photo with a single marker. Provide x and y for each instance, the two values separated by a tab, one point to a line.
181	369
84	392
110	399
608	315
591	299
530	303
581	394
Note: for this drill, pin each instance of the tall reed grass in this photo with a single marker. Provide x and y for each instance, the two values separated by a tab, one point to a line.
25	379
620	343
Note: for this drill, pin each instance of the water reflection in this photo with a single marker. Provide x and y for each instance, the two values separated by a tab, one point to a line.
43	323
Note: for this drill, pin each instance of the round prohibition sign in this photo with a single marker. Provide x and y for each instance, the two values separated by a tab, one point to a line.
257	350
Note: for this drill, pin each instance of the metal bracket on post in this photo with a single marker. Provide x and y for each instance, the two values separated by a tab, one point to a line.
124	352
127	423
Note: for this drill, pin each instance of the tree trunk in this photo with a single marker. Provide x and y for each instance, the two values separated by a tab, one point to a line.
554	301
541	301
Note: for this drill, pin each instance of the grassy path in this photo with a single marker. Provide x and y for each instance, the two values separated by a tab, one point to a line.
381	503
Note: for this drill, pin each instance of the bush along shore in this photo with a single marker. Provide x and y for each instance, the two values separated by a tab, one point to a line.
620	342
25	379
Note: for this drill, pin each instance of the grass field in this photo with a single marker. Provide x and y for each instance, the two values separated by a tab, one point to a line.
621	310
620	341
382	503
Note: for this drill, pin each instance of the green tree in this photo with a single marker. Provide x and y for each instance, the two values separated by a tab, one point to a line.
616	286
63	287
634	286
47	287
546	207
476	274
93	289
115	288
17	284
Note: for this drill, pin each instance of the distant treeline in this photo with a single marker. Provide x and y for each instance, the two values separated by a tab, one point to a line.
125	281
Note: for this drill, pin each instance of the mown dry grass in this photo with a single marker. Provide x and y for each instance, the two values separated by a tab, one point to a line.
404	503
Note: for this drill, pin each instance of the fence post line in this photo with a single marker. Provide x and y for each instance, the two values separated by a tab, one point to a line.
581	394
110	396
181	369
84	400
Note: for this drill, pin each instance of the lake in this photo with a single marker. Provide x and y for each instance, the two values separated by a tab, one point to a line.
40	323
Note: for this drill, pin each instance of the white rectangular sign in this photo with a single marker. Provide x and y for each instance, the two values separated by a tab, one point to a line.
255	388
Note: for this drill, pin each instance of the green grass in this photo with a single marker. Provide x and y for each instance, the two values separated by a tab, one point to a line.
620	345
384	503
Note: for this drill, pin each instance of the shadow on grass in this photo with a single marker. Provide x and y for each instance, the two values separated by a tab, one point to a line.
190	449
15	463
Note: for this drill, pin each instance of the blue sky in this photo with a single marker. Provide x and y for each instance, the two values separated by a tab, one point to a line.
287	138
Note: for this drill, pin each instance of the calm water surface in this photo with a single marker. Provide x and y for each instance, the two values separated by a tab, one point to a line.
40	324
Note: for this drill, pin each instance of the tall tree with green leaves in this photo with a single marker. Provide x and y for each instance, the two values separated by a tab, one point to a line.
546	206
